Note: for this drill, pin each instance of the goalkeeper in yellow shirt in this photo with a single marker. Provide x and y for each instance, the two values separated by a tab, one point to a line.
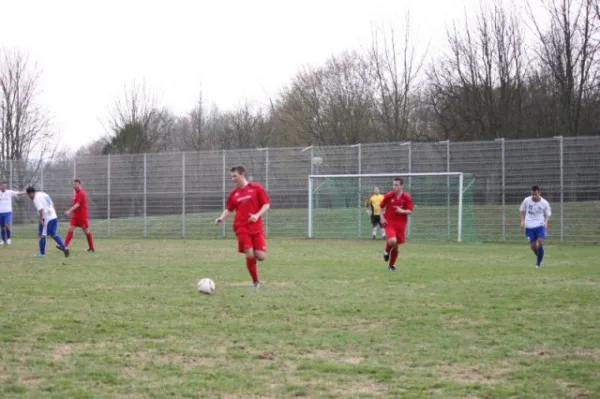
373	209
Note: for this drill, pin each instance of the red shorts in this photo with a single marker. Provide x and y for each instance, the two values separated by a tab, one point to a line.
251	240
81	223
397	232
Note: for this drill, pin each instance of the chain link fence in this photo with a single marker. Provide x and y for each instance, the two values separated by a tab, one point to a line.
177	195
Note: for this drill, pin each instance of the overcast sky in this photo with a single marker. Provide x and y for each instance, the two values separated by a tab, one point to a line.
231	50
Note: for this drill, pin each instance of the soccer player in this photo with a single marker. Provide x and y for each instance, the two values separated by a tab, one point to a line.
6	197
79	216
372	205
48	225
535	215
250	202
397	205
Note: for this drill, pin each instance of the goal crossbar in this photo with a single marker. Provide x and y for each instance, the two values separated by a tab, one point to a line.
460	176
387	175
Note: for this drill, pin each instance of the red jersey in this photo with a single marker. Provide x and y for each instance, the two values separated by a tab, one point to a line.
81	213
245	202
390	201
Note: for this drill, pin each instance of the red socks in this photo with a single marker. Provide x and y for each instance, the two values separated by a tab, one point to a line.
90	241
251	265
387	248
393	257
68	238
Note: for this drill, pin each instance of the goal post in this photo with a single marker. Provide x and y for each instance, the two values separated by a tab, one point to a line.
444	206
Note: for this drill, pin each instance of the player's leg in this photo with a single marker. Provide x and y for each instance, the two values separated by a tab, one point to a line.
88	235
70	231
2	228
53	232
259	243
42	229
541	235
381	228
245	247
400	238
7	227
390	244
532	238
374	226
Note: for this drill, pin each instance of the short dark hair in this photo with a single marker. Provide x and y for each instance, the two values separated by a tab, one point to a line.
77	181
399	179
535	188
238	168
30	190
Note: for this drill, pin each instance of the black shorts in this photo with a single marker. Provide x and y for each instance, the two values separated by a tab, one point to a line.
376	220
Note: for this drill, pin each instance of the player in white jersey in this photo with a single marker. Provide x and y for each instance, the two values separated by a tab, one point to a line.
535	215
6	197
48	225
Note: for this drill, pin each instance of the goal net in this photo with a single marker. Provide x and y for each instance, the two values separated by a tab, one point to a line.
443	202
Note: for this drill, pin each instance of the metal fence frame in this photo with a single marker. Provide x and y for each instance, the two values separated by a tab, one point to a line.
280	170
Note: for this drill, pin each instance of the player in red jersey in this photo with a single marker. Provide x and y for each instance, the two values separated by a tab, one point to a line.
79	216
250	202
396	206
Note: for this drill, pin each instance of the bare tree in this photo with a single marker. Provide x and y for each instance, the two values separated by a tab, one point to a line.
568	51
26	137
138	124
476	88
330	105
395	67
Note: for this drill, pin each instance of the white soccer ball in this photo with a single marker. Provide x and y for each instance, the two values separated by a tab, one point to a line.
206	286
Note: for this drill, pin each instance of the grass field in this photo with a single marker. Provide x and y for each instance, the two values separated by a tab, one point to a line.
481	223
456	320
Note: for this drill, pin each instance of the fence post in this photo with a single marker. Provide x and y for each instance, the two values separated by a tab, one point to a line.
74	168
10	179
447	142
267	187
562	187
183	194
108	195
145	198
223	230
503	186
359	213
409	144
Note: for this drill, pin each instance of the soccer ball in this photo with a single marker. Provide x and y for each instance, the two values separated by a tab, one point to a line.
206	286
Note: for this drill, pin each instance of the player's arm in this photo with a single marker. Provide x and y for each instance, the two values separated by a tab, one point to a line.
523	212
40	208
265	205
72	209
224	216
382	206
408	208
229	208
547	214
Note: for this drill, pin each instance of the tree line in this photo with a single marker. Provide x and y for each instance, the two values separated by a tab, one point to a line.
490	81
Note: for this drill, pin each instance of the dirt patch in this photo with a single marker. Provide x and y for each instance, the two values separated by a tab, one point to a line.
63	351
472	374
573	391
187	361
361	388
267	356
329	355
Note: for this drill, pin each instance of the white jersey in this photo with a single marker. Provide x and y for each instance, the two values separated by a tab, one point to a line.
6	200
535	212
43	201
